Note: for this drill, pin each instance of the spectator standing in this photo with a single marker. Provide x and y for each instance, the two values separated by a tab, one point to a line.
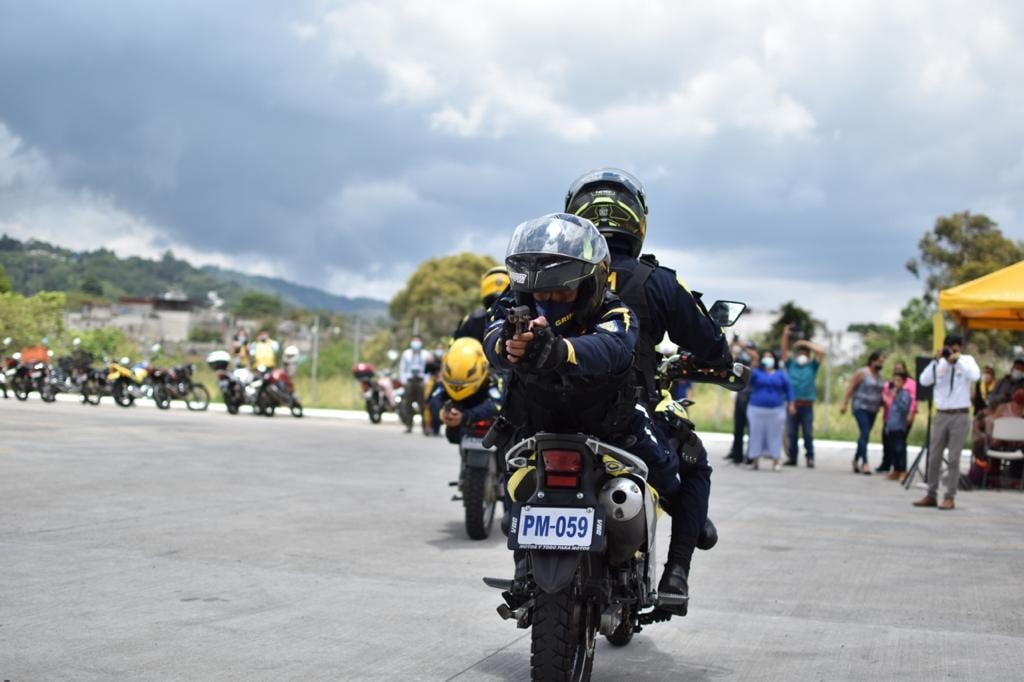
263	351
746	355
865	391
898	416
240	348
951	373
803	375
411	370
910	386
770	398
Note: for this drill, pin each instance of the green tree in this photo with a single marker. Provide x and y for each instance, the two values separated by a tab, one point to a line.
5	281
28	319
791	313
962	247
92	285
437	295
256	304
959	248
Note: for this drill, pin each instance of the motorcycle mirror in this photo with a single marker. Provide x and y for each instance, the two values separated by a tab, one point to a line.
16	356
7	340
49	353
76	342
726	313
392	355
125	360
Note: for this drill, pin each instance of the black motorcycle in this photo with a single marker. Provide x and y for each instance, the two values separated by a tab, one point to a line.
481	479
177	384
584	519
34	377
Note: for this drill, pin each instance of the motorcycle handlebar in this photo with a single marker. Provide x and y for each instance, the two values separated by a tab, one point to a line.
733	376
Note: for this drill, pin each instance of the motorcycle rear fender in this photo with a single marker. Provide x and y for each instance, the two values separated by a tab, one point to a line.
554	571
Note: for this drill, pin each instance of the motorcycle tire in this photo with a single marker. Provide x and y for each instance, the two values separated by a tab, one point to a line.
232	406
479	501
47	393
122	393
373	411
563	638
20	390
295	408
268	410
90	395
160	397
198	399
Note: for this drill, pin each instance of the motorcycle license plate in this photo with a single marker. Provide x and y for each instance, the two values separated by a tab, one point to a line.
474	444
566	528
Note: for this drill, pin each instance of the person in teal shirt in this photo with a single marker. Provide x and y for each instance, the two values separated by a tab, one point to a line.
803	375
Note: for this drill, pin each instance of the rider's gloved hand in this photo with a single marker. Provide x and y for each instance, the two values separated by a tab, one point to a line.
547	351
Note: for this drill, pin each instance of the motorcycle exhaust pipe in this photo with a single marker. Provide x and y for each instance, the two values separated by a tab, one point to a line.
623	500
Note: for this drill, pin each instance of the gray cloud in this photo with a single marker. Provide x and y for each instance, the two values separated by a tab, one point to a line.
340	144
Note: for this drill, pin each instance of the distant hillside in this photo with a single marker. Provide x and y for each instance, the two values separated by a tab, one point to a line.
298	294
36	266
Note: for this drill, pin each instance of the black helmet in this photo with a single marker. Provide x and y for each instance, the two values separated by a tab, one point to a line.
559	252
614	201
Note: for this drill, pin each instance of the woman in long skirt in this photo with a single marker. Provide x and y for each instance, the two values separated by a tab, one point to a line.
770	398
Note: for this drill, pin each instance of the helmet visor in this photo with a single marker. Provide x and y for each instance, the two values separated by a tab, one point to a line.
556	252
612	176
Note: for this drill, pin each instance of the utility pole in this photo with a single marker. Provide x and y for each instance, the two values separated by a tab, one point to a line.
355	359
316	354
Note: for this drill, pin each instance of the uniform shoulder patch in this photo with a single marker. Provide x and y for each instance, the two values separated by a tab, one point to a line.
612	326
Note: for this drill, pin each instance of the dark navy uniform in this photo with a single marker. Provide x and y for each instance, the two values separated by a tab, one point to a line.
482	405
593	392
473	325
663	304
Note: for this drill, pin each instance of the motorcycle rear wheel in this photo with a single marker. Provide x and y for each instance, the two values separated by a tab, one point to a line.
47	393
479	501
374	411
295	408
198	399
563	639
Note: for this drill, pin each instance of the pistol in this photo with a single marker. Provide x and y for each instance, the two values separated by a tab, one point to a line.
448	406
519	317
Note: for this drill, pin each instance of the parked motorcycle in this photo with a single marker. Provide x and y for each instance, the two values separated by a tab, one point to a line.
177	384
95	385
274	388
378	392
481	479
129	384
585	521
233	385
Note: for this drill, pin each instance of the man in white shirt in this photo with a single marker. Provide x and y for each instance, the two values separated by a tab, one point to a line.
411	370
951	375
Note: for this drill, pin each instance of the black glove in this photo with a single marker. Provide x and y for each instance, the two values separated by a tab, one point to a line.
547	352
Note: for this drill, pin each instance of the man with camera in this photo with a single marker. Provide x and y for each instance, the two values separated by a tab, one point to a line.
951	374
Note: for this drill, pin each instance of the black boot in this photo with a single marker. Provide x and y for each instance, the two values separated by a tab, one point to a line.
708	537
673	581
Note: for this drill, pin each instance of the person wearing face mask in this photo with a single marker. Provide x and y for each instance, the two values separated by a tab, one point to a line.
412	368
803	374
1012	382
263	351
865	391
888	394
745	354
951	373
771	397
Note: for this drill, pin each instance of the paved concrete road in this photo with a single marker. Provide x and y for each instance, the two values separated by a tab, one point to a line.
138	544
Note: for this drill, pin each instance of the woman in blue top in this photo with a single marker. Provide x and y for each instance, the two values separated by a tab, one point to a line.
770	397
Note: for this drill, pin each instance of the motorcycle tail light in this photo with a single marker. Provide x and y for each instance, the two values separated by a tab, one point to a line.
562	461
562	481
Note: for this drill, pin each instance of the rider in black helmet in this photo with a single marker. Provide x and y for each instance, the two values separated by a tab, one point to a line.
616	203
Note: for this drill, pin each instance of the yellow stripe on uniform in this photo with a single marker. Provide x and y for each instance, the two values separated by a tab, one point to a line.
623	311
571	357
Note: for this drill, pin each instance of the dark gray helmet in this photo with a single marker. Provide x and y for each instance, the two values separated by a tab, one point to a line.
614	201
560	252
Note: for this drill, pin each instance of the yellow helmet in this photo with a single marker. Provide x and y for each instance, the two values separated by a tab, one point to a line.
464	370
492	284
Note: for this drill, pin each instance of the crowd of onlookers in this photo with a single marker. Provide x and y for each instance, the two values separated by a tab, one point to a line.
777	408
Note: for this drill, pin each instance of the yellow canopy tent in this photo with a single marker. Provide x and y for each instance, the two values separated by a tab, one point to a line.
995	301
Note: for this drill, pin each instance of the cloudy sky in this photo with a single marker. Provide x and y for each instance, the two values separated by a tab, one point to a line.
791	150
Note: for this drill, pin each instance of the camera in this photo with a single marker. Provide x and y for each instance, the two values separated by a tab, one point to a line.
946	352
